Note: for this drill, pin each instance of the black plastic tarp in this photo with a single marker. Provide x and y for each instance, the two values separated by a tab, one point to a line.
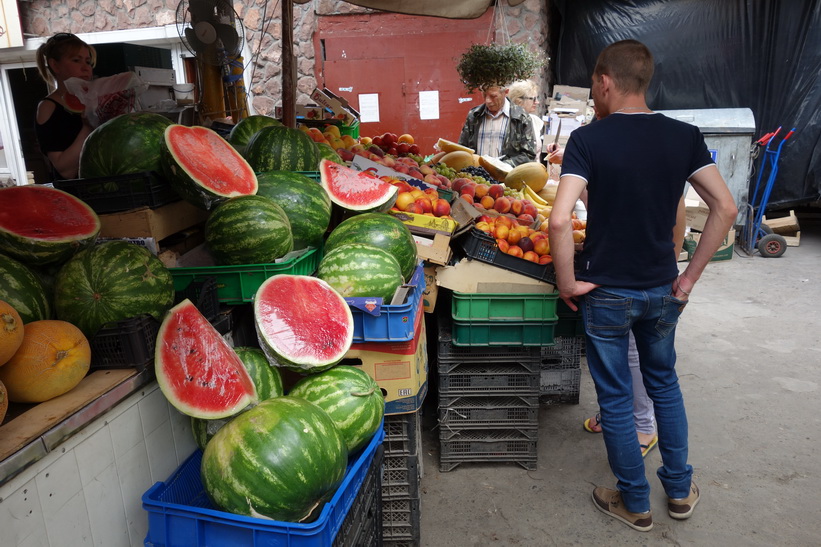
759	54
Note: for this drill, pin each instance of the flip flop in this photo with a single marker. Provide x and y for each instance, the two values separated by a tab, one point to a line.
589	427
646	448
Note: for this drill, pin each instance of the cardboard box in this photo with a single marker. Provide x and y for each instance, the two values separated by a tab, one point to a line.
724	252
399	368
787	225
570	92
156	223
426	225
472	276
435	250
696	212
431	289
339	106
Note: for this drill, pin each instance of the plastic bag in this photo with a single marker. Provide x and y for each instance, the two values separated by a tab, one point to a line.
108	97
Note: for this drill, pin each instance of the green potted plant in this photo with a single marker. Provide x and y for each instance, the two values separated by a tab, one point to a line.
483	66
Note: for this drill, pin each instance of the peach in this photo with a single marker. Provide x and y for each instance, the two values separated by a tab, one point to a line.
459	182
545	259
485	218
525	219
516	207
578	236
345	154
484	226
426	169
530	209
477	206
403	199
515	250
431	179
400	168
496	190
481	190
514	236
425	204
415	173
487	202
414	208
468	190
501	232
541	247
469	199
441	208
502	204
507	221
364	140
504	246
531	256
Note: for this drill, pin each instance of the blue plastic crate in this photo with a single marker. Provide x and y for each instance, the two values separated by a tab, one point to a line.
394	323
181	515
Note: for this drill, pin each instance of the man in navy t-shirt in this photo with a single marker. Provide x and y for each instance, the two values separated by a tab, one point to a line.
633	165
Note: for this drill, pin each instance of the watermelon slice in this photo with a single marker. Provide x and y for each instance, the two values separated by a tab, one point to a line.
356	190
197	371
73	103
203	168
41	225
302	323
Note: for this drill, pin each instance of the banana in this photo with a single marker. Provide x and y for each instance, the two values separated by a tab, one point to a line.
533	196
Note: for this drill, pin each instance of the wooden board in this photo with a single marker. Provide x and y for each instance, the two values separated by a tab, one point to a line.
21	430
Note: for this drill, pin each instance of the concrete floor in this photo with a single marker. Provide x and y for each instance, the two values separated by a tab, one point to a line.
749	348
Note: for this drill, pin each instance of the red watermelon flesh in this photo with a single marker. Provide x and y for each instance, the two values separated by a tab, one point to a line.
197	371
73	103
42	225
302	323
204	168
356	190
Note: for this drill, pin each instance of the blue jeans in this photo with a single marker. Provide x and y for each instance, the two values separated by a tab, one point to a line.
609	314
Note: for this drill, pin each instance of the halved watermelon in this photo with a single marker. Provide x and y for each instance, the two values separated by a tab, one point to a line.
356	190
203	168
302	323
41	225
197	371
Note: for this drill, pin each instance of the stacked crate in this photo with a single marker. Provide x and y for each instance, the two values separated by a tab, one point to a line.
560	370
401	474
488	402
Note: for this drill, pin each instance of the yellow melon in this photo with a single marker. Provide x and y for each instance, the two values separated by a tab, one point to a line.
11	331
496	167
53	358
450	146
548	193
532	173
458	160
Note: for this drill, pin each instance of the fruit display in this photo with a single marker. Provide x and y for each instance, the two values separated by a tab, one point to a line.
52	359
129	143
361	269
23	290
203	168
302	323
330	136
196	369
306	203
110	282
279	460
11	332
533	174
246	128
248	230
354	190
516	239
276	148
351	398
41	225
421	202
381	230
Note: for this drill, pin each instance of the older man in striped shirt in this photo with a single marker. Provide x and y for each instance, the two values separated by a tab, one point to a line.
499	129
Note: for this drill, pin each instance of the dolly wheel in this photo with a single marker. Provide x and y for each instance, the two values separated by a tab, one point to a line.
772	246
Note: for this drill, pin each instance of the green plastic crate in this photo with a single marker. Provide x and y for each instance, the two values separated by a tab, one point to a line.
504	307
238	284
504	333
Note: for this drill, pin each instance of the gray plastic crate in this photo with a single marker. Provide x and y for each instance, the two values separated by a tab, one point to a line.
489	413
362	526
449	354
492	379
400	522
402	434
566	353
488	446
400	477
560	385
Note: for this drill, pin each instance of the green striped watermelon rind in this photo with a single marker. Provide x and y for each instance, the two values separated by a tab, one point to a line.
242	133
379	229
129	143
213	170
351	398
210	382
275	148
295	308
306	203
248	230
361	270
267	380
20	287
110	282
356	191
44	211
279	460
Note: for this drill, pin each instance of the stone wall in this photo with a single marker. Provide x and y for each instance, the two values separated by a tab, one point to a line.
526	23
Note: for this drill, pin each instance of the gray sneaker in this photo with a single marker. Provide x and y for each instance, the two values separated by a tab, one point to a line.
682	508
609	502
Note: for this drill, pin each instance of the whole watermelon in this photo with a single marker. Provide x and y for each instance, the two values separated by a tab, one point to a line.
246	128
326	151
304	201
278	460
112	281
383	231
248	230
361	269
129	143
351	398
282	149
267	380
21	288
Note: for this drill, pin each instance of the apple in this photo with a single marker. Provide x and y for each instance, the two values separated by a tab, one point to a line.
414	149
376	141
403	148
